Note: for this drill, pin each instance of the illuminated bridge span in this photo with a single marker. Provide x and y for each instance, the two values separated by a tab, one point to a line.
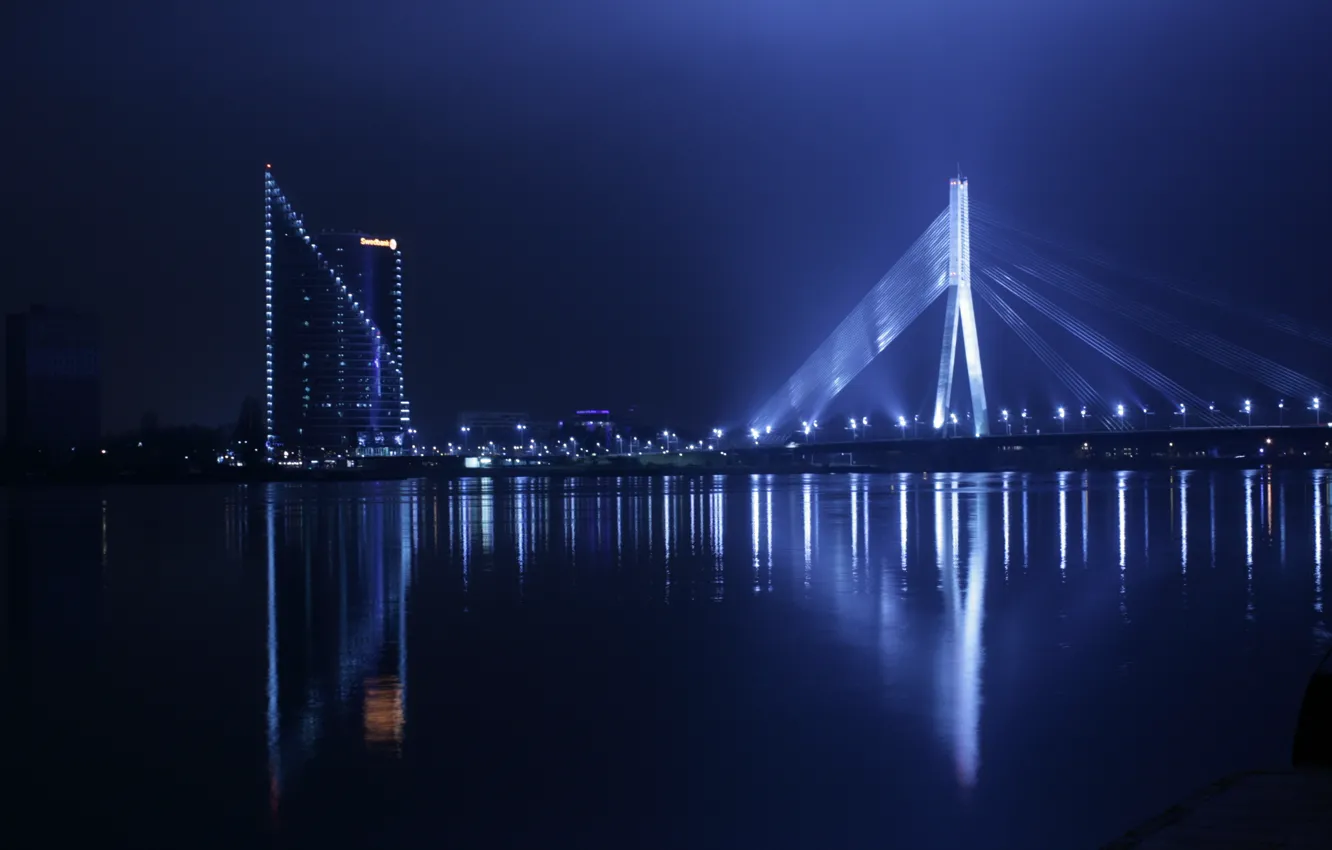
1017	264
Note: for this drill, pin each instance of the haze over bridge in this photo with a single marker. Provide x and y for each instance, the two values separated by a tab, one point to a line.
1013	271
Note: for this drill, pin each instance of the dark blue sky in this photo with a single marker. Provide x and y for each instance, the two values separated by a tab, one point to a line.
612	203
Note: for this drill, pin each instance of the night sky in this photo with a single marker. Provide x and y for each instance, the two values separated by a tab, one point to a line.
612	203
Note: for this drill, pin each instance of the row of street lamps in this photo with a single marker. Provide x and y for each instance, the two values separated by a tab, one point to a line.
1061	414
809	428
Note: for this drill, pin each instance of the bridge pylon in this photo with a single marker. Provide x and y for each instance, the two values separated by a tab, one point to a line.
960	312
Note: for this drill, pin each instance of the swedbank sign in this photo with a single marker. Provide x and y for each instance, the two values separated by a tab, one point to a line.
391	244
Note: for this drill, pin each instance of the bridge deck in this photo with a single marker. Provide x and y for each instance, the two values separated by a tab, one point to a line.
1289	809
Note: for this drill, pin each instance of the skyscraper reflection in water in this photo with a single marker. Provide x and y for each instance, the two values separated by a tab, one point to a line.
334	654
338	577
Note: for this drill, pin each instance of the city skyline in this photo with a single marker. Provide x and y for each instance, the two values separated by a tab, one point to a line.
680	258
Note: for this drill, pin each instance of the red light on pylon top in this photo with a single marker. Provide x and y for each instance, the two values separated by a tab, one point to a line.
268	165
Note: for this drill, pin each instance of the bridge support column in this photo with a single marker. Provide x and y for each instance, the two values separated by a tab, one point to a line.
960	313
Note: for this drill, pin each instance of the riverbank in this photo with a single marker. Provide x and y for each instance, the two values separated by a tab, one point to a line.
613	468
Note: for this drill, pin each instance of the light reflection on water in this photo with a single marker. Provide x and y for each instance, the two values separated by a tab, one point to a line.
907	568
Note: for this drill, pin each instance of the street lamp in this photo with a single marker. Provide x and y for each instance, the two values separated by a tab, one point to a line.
1183	416
1119	411
953	416
1024	420
1084	417
901	423
1003	414
1317	414
465	431
1062	427
1248	411
1281	412
853	429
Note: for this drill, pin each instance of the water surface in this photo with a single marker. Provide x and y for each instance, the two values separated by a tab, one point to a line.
794	661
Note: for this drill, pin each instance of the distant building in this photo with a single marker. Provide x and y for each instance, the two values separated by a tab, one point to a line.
592	420
54	378
477	428
334	342
590	427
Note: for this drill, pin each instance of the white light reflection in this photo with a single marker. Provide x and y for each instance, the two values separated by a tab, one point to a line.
767	496
666	523
1184	522
1146	523
939	544
718	512
1211	509
1267	505
1319	481
487	516
1024	522
1248	545
694	531
407	531
864	505
462	502
902	522
1123	549
855	531
809	543
1063	523
619	522
1007	494
754	525
956	518
273	718
573	524
520	522
1085	489
1281	514
967	621
434	524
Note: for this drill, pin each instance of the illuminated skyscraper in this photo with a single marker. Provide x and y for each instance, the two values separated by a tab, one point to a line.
333	338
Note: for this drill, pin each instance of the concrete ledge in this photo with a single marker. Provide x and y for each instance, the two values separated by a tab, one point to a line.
1287	809
1313	733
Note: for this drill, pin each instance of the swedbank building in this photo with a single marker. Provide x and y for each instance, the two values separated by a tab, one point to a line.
333	338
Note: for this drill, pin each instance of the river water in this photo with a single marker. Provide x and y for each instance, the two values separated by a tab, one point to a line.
1021	661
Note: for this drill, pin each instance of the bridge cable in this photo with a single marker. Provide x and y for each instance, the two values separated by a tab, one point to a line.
1204	343
1276	321
1135	366
1081	388
900	296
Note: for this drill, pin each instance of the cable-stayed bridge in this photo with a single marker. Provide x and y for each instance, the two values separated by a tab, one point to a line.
1015	271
